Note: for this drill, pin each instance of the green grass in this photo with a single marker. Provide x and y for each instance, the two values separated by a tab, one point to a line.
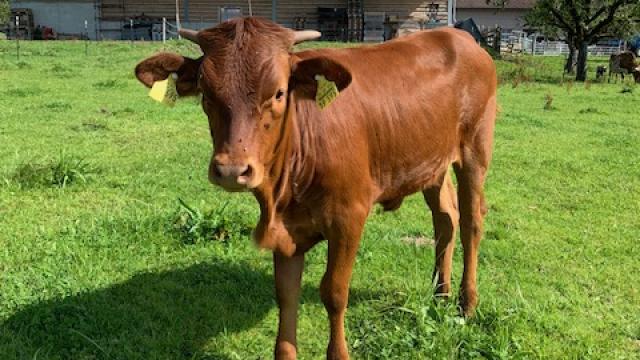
113	265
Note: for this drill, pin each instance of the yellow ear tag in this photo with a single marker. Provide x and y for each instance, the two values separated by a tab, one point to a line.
164	91
326	93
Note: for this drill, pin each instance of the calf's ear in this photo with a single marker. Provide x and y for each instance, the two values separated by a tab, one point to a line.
160	66
303	72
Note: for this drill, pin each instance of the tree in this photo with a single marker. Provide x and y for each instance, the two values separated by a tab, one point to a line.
582	23
4	11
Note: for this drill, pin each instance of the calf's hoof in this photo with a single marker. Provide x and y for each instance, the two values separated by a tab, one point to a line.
442	294
285	351
468	302
337	352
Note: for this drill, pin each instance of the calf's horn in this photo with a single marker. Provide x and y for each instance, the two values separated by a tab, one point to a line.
306	35
299	36
191	35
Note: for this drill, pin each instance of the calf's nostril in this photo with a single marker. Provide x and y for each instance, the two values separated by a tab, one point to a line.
216	171
247	172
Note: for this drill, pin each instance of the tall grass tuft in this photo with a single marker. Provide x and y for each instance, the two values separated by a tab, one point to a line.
194	226
61	172
548	102
68	170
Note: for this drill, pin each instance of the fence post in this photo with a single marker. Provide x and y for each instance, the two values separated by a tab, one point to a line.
533	44
17	37
86	40
164	30
178	25
131	30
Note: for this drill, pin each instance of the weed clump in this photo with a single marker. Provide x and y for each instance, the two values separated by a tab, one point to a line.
60	173
548	102
107	84
589	110
60	69
626	89
194	226
57	106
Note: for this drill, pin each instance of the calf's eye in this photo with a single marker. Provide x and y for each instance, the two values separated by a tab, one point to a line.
279	95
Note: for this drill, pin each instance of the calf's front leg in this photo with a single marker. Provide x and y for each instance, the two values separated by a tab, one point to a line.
288	274
343	238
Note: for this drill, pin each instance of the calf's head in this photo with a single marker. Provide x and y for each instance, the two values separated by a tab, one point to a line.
246	76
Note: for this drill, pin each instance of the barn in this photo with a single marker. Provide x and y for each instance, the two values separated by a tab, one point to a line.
345	20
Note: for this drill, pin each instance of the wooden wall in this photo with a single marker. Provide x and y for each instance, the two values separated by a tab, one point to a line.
406	10
118	9
415	9
287	10
208	9
198	10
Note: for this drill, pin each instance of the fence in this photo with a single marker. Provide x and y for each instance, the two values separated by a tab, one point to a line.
519	42
169	30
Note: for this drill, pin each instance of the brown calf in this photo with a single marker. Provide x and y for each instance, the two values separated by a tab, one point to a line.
623	63
408	109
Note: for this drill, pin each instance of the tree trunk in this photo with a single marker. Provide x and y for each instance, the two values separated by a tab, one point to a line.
581	68
571	59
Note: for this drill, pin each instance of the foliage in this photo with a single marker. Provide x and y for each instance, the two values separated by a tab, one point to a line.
584	22
4	12
97	271
591	20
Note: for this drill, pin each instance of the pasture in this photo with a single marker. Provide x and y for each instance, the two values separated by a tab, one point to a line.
113	245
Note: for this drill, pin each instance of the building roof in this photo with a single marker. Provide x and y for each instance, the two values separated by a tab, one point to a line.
482	4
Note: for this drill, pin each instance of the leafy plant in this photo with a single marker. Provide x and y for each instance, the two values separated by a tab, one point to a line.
62	172
194	226
68	170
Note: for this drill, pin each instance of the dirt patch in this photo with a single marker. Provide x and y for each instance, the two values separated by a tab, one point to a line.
418	241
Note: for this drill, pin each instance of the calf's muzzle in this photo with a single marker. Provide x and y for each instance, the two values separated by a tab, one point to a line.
233	175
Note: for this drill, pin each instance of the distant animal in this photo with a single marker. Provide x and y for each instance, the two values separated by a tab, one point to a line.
621	64
600	72
406	111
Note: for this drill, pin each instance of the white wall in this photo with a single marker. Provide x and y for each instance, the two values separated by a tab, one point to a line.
64	17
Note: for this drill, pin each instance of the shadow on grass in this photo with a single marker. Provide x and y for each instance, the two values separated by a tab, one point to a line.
159	315
165	315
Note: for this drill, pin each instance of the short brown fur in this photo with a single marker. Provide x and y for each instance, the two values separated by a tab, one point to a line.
409	109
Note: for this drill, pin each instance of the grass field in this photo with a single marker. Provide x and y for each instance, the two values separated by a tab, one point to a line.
99	258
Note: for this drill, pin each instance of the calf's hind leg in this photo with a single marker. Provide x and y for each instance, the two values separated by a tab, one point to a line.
443	202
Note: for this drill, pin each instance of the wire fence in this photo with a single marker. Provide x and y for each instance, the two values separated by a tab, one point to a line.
519	42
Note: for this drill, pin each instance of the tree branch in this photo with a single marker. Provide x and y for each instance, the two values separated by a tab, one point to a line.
562	23
609	19
574	13
600	11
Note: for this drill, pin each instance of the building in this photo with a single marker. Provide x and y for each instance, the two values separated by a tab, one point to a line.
110	19
509	18
66	17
